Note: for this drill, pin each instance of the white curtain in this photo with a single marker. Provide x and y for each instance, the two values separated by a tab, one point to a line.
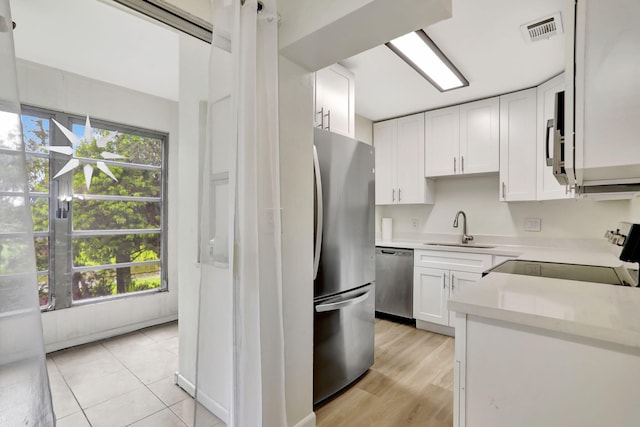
241	226
25	398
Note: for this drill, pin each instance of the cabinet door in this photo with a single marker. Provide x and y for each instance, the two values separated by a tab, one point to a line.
335	98
442	142
385	135
548	187
480	136
607	105
430	294
459	281
410	163
518	146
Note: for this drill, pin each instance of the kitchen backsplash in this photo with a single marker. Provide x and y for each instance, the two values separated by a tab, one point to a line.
478	197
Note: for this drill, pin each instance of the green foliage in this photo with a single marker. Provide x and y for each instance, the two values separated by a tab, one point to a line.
144	284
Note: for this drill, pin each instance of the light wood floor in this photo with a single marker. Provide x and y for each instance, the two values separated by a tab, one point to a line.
410	383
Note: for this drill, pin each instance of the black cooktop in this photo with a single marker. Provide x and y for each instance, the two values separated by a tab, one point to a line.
554	270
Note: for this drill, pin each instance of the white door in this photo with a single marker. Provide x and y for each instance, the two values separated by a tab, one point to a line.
518	146
548	186
385	135
442	142
430	295
480	136
461	280
410	159
335	98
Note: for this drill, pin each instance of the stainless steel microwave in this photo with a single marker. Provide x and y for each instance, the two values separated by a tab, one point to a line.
555	159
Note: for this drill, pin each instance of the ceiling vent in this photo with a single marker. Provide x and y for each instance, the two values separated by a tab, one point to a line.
542	28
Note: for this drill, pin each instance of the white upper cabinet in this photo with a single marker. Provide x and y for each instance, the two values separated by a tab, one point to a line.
442	141
607	88
548	187
399	145
518	146
334	100
463	139
385	136
480	136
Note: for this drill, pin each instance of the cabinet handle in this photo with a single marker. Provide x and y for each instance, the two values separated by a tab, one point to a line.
504	190
321	112
393	195
444	280
399	194
328	120
454	165
462	164
453	283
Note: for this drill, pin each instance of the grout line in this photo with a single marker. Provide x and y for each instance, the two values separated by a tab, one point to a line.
72	393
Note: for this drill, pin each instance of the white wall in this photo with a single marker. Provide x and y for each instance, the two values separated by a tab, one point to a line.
296	184
97	40
364	130
478	197
59	90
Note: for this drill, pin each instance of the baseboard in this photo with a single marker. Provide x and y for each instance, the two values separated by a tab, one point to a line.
214	407
308	421
433	327
110	333
184	384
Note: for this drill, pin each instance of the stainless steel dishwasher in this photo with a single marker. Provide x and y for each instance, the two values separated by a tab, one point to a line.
394	282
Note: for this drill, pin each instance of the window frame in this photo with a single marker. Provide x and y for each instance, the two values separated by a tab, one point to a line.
60	282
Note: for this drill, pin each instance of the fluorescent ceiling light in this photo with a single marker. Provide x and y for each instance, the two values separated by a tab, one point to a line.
419	51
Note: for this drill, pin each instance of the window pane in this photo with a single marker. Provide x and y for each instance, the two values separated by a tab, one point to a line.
13	255
36	133
38	174
40	212
94	284
12	214
42	253
43	290
134	148
106	250
115	215
131	182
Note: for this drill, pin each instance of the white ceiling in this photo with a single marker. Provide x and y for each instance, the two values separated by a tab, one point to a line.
482	39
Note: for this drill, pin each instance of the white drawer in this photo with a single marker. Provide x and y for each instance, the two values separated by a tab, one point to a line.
461	261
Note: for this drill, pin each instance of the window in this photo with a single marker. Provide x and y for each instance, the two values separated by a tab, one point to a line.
97	236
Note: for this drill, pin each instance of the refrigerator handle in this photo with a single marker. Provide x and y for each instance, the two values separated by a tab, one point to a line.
319	210
342	304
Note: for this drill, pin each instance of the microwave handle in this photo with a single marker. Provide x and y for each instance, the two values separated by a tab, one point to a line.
550	125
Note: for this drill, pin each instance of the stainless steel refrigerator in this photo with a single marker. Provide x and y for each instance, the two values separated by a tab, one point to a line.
344	263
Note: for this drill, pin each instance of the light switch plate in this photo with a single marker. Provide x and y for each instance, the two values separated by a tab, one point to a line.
532	224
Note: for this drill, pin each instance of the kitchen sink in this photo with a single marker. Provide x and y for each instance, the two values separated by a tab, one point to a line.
460	245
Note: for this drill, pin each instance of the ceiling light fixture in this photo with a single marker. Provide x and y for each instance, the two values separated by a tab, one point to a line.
419	51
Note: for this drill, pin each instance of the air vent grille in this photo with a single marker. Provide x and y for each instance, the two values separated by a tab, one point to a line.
543	28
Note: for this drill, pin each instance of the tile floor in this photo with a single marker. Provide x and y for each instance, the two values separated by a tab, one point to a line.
123	381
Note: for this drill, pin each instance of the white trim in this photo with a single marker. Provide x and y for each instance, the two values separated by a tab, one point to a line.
308	421
59	345
209	403
438	329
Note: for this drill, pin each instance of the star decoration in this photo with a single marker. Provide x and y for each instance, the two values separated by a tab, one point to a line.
75	162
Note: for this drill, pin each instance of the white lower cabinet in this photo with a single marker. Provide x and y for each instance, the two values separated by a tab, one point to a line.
506	374
438	275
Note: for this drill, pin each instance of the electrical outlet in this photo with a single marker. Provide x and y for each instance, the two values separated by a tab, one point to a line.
532	224
415	223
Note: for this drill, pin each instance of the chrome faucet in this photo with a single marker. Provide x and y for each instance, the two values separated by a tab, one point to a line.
465	237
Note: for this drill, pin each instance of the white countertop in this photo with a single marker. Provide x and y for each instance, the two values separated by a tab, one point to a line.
497	249
603	312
